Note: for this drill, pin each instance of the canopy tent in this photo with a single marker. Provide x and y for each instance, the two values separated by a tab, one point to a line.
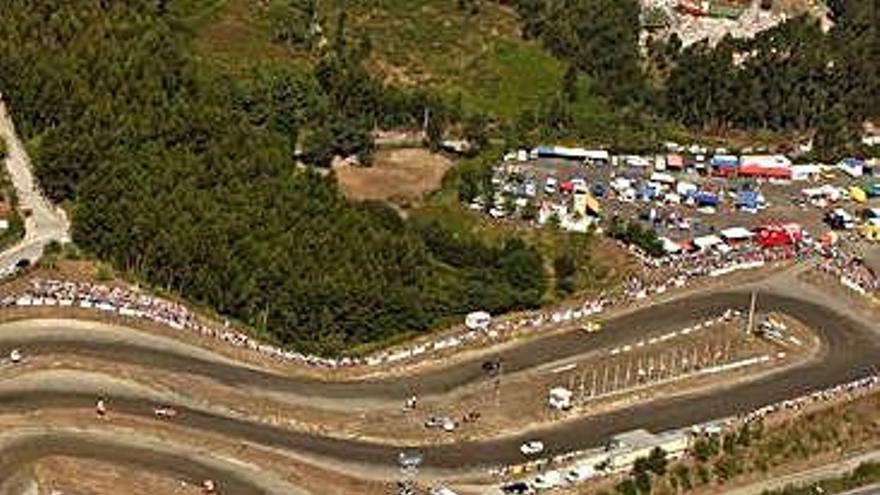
707	241
765	172
736	234
857	194
747	199
674	162
670	246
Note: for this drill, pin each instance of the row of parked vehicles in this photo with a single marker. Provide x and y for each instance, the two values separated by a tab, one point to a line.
550	480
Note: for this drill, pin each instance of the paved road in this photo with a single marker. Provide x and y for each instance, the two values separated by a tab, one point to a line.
852	352
365	393
866	490
46	222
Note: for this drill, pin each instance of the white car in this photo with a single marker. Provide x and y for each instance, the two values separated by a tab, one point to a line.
532	447
580	474
548	480
449	425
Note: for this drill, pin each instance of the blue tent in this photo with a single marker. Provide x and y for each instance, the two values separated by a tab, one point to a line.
747	199
722	161
706	199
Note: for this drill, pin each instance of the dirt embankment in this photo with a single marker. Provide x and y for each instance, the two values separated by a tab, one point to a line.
400	176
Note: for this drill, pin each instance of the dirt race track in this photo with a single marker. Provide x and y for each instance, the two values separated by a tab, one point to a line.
852	351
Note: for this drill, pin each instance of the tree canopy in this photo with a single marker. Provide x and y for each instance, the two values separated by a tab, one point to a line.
187	179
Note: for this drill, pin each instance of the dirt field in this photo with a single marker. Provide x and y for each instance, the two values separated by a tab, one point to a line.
70	476
401	176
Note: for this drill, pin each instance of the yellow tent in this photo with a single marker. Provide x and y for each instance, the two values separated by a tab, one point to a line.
871	231
857	194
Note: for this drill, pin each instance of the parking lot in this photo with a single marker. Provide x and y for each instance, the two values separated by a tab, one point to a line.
681	196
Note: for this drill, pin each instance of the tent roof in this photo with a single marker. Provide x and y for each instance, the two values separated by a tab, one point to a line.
736	233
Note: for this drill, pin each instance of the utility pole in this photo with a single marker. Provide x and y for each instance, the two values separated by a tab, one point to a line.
498	384
581	387
593	385
750	328
605	381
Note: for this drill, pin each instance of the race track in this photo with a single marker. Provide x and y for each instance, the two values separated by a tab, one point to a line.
852	351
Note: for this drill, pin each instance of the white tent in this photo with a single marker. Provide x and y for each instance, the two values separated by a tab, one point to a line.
670	246
662	178
736	234
707	241
683	188
478	320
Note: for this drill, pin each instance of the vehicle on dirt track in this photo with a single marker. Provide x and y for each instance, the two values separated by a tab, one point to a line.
165	412
532	447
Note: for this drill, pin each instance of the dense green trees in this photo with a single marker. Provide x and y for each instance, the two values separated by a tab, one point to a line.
792	77
186	179
598	37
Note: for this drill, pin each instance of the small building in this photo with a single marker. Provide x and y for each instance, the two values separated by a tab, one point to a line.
560	398
626	447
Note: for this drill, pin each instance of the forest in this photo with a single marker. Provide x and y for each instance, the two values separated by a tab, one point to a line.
791	78
185	179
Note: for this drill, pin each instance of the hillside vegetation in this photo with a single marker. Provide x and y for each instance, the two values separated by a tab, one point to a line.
184	178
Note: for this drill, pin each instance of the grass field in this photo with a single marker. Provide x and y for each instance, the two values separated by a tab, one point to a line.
478	58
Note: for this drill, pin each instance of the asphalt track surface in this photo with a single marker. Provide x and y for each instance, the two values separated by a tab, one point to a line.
852	351
637	325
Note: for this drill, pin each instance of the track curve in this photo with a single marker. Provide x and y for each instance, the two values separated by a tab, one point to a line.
28	447
852	351
639	324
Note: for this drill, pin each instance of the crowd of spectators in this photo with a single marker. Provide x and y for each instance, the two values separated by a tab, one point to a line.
656	277
843	390
851	270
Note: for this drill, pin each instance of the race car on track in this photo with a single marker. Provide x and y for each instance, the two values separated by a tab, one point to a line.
532	447
165	412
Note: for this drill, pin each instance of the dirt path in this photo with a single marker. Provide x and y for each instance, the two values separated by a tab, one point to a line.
805	477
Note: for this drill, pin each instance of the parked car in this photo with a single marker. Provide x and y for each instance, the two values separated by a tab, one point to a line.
532	447
551	186
517	488
579	474
548	480
434	422
449	425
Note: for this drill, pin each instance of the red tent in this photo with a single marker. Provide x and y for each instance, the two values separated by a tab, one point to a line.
765	172
774	235
566	186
